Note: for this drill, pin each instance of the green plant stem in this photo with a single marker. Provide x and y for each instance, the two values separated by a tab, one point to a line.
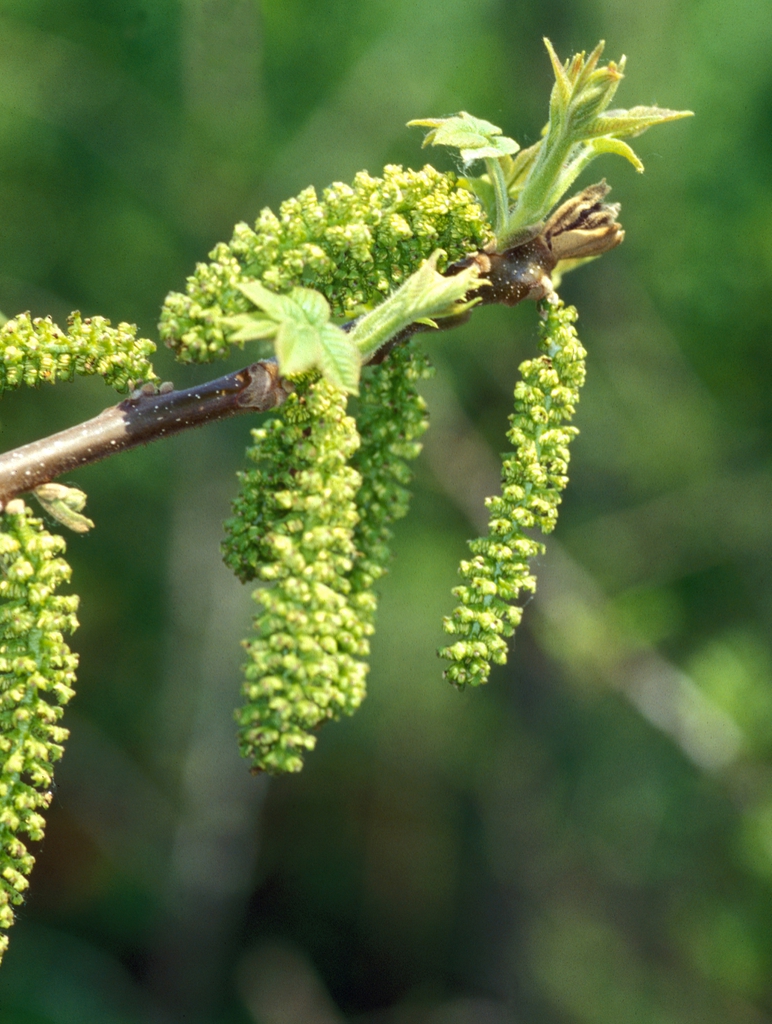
535	197
496	175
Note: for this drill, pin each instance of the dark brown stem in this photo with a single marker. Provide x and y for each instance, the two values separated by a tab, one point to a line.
582	226
518	274
138	420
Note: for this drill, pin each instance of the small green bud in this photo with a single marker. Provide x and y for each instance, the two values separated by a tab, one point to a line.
65	505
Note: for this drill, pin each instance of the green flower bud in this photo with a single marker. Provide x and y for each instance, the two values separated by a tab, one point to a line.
36	351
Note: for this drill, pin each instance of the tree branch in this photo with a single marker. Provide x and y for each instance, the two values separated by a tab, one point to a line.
138	420
150	416
583	226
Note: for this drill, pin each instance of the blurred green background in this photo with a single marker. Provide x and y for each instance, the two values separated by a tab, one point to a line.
588	839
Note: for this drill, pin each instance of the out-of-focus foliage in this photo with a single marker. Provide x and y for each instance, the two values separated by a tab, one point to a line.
589	837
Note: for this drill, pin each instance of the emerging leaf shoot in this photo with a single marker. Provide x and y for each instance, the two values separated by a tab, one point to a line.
425	296
579	129
474	138
65	504
304	338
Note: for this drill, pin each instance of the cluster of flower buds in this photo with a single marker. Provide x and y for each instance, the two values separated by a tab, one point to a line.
35	351
293	531
391	418
532	481
354	245
37	673
312	524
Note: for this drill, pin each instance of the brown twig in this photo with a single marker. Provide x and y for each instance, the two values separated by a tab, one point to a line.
583	226
138	420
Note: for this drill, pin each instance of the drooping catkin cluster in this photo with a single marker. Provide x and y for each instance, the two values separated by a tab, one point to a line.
354	245
37	673
293	530
532	482
312	523
35	351
391	418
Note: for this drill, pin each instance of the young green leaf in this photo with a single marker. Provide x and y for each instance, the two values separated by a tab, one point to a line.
475	138
251	327
425	295
579	129
276	306
608	144
629	124
304	338
339	359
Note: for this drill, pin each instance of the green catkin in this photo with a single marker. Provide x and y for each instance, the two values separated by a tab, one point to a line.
532	482
355	245
35	351
293	530
391	418
37	672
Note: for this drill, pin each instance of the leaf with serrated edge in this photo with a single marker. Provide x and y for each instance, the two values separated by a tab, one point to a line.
304	337
477	139
313	304
339	358
251	328
274	305
297	348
